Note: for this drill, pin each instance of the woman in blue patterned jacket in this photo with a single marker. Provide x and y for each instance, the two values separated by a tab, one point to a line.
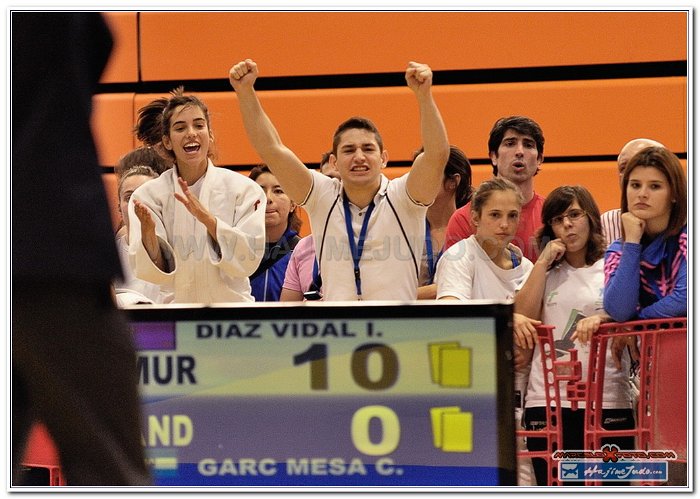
646	270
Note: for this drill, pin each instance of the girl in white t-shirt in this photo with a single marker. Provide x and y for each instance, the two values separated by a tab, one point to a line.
487	266
565	289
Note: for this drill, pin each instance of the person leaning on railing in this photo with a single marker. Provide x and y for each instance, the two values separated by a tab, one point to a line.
646	270
564	290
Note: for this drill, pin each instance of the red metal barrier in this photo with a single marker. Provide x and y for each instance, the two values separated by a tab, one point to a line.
662	404
554	372
661	411
41	453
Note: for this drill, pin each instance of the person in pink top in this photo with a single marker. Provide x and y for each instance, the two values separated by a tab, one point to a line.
516	150
302	270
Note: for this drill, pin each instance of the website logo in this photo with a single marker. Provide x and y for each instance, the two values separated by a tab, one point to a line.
611	463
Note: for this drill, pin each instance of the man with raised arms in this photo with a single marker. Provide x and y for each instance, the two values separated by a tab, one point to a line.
369	231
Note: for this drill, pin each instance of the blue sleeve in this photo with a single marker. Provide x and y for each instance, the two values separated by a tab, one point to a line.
621	294
674	304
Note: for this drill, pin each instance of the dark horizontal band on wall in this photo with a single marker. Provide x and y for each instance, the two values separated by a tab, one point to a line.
474	162
447	77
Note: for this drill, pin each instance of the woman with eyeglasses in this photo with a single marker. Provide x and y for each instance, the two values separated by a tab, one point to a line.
565	289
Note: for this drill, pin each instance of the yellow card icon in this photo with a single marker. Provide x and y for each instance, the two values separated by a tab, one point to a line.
457	432
450	364
452	429
435	363
436	422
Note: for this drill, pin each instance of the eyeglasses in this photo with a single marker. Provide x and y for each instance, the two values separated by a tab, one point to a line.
572	215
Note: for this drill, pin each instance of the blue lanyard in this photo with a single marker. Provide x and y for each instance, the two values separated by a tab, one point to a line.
513	258
356	249
429	251
314	275
316	280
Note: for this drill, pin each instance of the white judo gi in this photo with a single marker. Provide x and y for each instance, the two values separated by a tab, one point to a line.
199	269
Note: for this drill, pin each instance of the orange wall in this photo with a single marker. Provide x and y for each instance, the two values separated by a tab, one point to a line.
312	43
579	118
572	115
123	63
113	118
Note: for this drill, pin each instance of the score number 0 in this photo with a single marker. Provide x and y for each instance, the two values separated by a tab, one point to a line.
317	356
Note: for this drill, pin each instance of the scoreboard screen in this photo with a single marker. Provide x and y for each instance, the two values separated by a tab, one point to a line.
327	394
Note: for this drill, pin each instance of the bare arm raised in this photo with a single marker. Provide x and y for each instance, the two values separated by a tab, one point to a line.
427	170
292	174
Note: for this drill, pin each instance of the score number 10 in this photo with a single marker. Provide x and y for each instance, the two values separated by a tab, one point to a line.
317	357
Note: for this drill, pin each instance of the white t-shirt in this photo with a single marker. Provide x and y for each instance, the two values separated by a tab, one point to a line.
569	295
387	267
466	272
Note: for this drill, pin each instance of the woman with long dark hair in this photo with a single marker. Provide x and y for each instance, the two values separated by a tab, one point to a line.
565	290
198	231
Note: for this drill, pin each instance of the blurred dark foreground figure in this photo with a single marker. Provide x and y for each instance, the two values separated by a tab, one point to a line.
73	360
